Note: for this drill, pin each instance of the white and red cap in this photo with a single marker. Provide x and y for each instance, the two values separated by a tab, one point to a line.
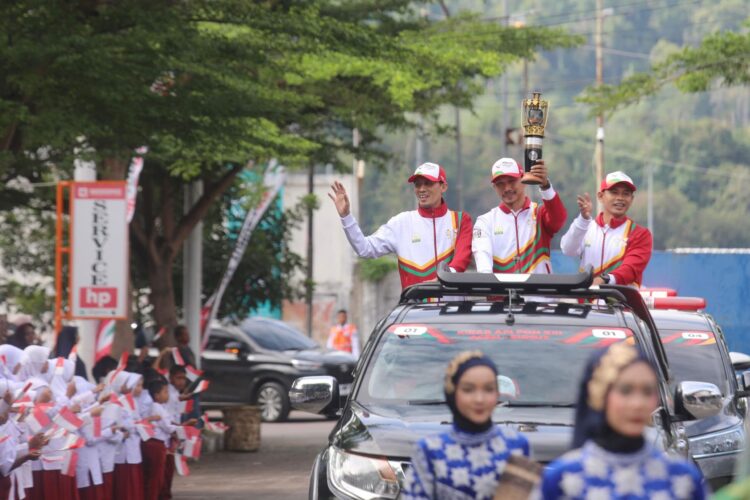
506	166
430	171
615	178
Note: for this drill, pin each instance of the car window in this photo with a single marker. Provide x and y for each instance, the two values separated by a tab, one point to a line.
276	336
217	341
537	364
694	355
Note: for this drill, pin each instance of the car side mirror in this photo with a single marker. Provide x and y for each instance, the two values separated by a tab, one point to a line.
238	348
697	400
318	394
740	361
743	384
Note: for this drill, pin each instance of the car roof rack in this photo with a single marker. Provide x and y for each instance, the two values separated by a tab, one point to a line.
578	285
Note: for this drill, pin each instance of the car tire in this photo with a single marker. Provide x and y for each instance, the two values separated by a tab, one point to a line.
273	401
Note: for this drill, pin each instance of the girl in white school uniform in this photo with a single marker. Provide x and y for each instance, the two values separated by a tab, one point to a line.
128	469
89	469
108	446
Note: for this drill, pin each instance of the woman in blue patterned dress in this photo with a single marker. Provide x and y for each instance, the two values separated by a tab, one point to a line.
467	461
611	459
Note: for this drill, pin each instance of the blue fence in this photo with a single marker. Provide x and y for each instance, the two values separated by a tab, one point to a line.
722	279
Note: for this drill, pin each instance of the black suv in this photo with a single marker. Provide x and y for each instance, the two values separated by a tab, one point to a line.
539	329
257	361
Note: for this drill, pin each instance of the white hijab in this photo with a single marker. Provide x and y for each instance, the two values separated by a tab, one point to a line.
13	357
34	359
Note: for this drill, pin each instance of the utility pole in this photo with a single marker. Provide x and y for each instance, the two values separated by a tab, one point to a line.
504	90
599	153
192	271
309	277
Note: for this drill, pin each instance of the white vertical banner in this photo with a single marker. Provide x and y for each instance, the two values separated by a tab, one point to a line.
134	172
273	180
99	250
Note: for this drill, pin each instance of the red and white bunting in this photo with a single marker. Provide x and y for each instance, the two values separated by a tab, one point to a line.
38	420
202	386
70	461
105	336
178	359
68	420
192	373
180	465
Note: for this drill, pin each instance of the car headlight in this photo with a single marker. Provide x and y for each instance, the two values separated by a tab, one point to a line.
719	443
361	477
303	364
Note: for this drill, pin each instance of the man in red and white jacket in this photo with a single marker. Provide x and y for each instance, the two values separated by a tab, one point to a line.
515	236
617	248
422	238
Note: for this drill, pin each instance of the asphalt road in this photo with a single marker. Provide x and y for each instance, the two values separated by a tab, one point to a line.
280	470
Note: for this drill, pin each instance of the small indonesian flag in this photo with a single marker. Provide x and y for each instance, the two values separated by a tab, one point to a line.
162	371
159	334
145	430
68	420
192	373
192	448
128	401
70	462
59	367
73	356
115	400
186	406
55	432
21	396
186	432
180	465
123	361
73	442
38	420
178	359
202	386
96	426
105	336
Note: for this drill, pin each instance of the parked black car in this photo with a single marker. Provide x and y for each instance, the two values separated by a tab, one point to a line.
696	350
257	361
539	332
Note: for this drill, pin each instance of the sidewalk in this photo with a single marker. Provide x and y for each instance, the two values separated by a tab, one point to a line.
279	470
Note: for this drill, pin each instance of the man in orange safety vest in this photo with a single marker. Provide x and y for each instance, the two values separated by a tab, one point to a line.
343	335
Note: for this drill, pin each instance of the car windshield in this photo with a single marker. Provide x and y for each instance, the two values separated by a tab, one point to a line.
694	355
538	365
276	336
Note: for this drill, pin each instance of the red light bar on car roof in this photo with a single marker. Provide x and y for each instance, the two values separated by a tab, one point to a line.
678	303
658	292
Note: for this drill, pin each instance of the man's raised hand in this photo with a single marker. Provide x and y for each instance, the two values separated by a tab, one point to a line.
340	199
584	205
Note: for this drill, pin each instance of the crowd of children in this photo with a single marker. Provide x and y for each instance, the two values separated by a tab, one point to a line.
63	437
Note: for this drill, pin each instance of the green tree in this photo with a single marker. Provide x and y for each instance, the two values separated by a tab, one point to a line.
209	85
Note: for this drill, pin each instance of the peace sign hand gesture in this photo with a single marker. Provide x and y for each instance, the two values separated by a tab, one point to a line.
340	199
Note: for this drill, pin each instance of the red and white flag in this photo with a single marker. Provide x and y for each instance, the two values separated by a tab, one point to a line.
68	420
70	461
159	334
38	420
105	336
202	386
96	426
180	465
186	432
115	400
145	430
55	432
59	367
123	361
22	396
186	406
73	442
192	373
128	401
192	448
178	360
73	356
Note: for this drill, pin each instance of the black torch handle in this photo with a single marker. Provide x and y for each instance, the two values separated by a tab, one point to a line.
532	152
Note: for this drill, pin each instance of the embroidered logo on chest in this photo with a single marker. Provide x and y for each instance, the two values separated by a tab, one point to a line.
499	230
450	233
587	242
415	238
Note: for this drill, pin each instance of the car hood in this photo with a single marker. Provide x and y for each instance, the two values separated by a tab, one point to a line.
393	431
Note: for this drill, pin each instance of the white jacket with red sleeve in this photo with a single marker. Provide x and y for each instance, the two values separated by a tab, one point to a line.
621	248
